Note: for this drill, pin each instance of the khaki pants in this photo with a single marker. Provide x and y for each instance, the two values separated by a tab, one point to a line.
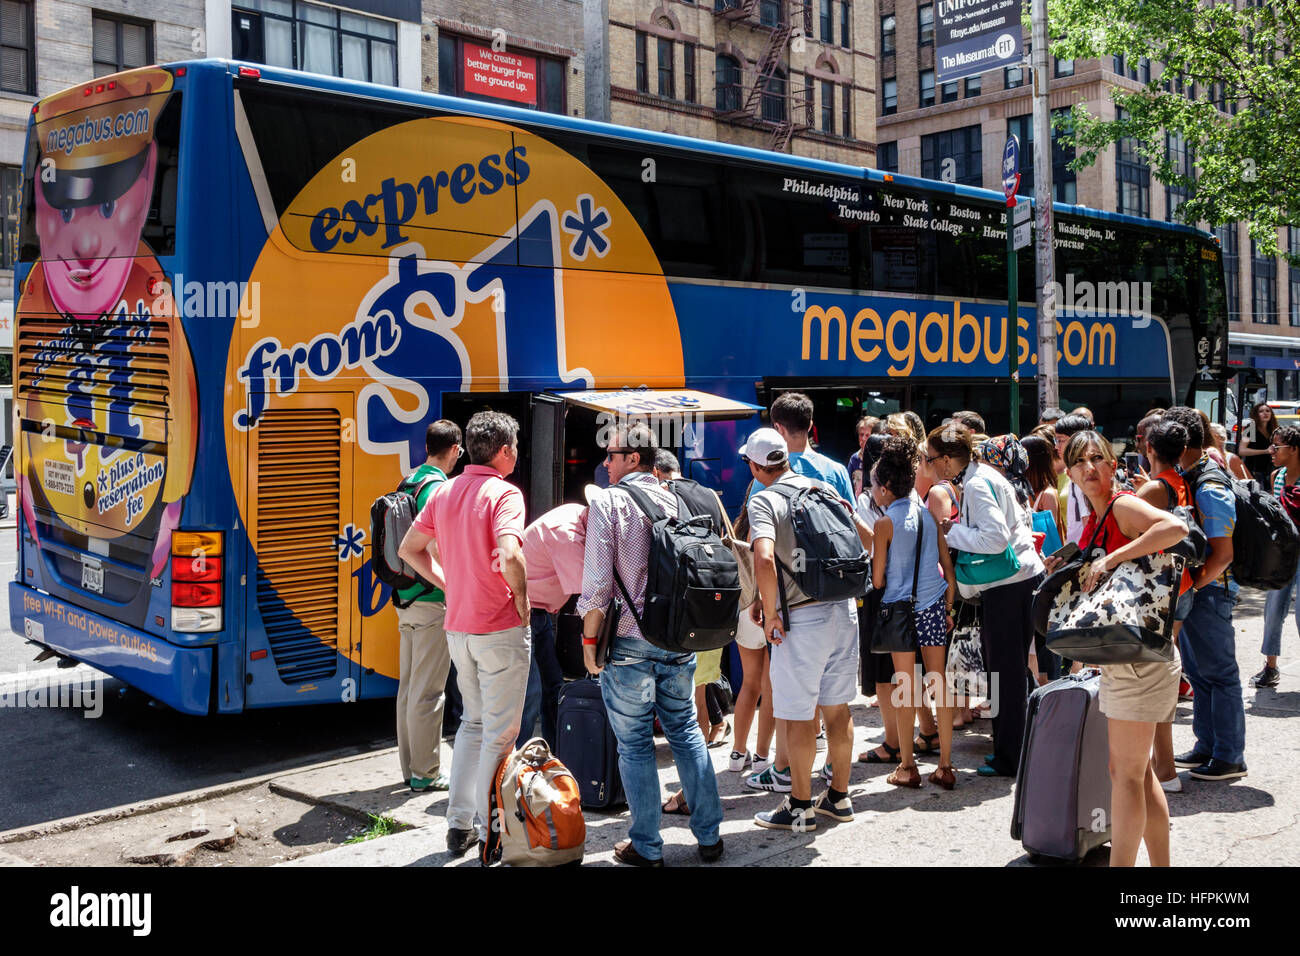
424	664
492	674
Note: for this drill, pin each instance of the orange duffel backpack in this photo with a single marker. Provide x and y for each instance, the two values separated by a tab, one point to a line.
536	811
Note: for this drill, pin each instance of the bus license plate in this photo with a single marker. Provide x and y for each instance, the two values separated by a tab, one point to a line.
92	576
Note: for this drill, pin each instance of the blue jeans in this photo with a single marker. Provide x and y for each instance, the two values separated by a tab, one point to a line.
544	681
1276	606
1209	650
640	682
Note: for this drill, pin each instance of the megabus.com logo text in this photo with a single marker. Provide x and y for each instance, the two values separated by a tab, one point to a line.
941	337
89	130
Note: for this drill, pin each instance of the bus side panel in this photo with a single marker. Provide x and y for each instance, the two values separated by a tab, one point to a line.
178	677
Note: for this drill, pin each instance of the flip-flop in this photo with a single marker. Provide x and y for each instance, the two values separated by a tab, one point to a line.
678	800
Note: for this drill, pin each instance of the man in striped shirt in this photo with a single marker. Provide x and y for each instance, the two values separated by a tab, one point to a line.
642	680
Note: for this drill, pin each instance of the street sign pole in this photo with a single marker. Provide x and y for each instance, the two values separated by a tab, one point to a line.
1010	184
1045	263
1013	320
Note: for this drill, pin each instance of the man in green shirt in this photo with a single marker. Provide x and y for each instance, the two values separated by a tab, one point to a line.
424	660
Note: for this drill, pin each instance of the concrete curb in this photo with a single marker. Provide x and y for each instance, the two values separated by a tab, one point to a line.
84	820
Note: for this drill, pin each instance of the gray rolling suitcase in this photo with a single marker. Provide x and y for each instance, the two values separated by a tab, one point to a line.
1062	805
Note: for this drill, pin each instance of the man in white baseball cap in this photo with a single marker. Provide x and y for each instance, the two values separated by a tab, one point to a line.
765	448
813	667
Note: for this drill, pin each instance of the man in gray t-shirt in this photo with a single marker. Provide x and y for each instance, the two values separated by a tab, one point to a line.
815	665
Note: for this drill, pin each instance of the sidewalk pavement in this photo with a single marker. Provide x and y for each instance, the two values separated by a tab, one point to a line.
1249	822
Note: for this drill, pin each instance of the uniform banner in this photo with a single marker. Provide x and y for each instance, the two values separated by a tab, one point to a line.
972	36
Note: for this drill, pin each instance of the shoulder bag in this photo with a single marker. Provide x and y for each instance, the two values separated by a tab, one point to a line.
974	568
895	630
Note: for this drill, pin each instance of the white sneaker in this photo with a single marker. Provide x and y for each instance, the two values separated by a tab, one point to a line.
821	741
760	764
738	760
1172	786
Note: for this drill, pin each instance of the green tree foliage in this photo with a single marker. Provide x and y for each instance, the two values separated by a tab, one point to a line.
1243	121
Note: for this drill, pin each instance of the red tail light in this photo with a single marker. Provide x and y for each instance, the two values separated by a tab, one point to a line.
189	594
251	72
196	569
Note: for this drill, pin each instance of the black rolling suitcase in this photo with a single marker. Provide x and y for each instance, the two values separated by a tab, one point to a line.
1062	805
586	745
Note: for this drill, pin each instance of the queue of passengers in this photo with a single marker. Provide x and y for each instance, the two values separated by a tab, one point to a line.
921	502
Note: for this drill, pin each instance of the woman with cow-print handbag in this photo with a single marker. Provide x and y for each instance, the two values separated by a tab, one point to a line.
1139	682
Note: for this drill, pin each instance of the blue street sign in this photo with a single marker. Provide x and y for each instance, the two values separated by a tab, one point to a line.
1011	166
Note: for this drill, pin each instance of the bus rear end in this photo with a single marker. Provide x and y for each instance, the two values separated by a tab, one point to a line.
106	398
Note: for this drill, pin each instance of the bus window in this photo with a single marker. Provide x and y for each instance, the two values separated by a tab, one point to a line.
680	210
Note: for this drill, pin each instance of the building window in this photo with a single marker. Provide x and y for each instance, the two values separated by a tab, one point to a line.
925	25
1181	158
826	22
1012	77
688	58
1133	178
642	74
1022	127
927	88
666	68
1263	276
962	146
1064	179
948	92
1144	71
769	13
887	157
973	85
1231	268
120	44
890	98
828	107
307	36
846	40
11	178
774	97
17	47
727	71
547	92
888	33
846	126
1064	185
1064	67
1293	274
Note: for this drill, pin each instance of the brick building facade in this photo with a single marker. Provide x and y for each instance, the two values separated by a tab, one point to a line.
921	124
793	75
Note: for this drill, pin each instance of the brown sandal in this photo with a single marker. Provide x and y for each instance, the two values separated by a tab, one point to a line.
676	803
944	777
905	777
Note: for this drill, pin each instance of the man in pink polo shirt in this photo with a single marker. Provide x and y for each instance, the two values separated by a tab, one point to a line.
475	523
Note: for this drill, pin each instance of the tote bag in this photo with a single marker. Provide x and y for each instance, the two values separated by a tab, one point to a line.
1126	619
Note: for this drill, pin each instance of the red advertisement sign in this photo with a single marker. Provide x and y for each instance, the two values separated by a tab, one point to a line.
505	76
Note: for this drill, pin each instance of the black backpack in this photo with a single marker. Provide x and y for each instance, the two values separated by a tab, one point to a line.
835	566
700	500
391	517
1196	546
1265	544
692	592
